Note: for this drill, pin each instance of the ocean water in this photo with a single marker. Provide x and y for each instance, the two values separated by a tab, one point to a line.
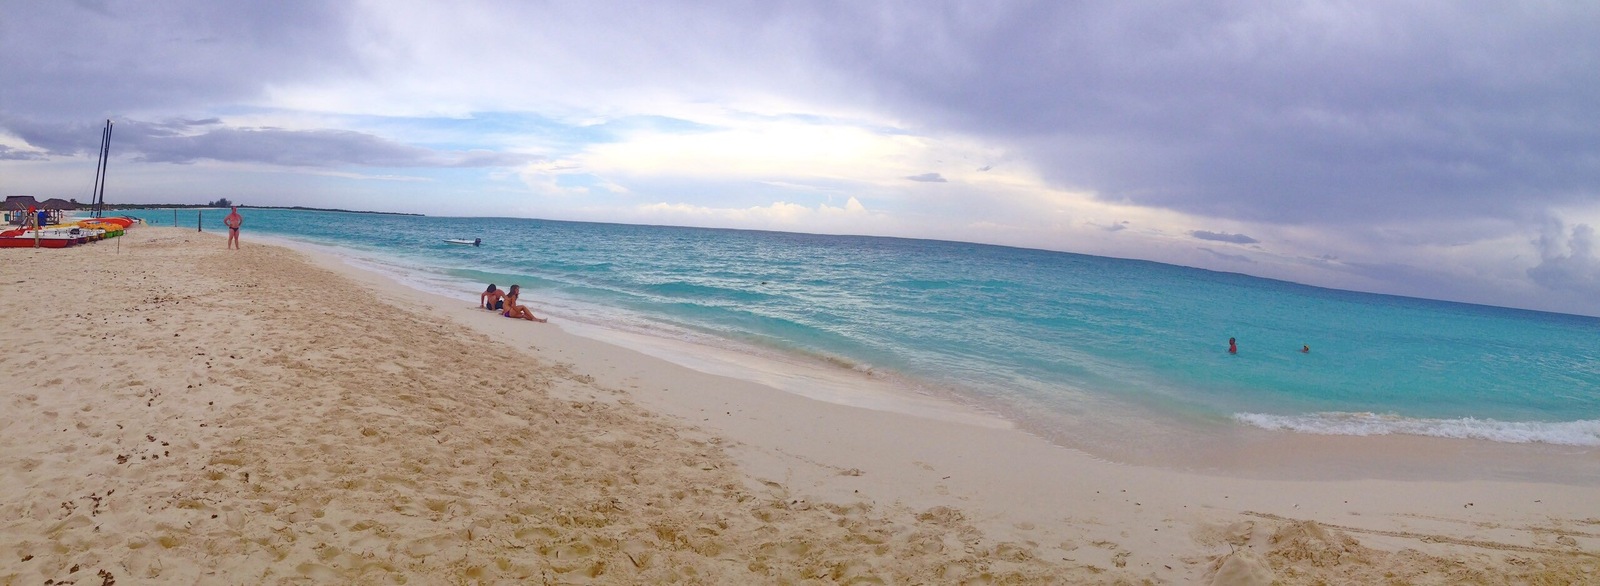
1087	351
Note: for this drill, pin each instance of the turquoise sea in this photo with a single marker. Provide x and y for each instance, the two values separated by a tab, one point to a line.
1087	351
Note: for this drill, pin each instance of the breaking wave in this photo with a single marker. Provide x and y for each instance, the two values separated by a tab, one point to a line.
1565	433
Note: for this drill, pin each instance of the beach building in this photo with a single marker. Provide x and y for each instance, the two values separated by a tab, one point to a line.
56	209
16	208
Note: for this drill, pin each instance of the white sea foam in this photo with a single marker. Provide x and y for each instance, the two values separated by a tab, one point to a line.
1566	433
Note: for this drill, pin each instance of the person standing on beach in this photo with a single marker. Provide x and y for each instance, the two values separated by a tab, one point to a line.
233	221
518	311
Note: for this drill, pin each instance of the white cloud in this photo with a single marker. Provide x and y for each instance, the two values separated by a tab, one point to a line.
778	150
777	215
1567	260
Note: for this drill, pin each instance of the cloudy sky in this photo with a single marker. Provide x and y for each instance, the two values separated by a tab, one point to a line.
1447	150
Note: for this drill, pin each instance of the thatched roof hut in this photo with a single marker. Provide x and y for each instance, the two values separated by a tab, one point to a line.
19	203
56	203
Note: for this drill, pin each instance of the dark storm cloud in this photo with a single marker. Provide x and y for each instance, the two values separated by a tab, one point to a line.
188	141
10	154
305	148
1263	111
302	148
56	139
68	66
83	61
1223	237
1278	112
928	178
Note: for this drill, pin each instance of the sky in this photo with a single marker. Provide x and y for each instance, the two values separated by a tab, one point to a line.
1446	150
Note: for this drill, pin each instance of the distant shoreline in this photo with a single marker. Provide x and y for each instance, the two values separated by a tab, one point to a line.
187	206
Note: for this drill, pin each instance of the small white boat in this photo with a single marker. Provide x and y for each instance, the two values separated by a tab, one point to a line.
463	241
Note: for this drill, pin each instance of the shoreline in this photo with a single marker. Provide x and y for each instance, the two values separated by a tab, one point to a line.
814	379
1227	449
1102	422
1363	465
409	434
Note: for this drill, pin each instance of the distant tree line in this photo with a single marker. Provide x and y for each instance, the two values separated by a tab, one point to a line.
223	203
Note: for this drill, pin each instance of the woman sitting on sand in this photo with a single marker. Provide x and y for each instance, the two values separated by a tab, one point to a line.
514	310
492	299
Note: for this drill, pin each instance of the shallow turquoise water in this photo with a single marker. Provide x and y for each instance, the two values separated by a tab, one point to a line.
1061	340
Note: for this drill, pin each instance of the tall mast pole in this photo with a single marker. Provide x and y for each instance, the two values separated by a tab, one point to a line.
99	164
100	171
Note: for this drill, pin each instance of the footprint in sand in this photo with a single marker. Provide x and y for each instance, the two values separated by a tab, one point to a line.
318	572
431	545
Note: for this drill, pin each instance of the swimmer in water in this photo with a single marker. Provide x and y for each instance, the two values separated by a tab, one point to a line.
1232	347
1305	349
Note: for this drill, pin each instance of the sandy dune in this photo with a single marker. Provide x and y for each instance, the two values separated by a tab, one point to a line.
174	412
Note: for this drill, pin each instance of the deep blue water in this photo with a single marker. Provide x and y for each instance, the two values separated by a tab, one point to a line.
1062	341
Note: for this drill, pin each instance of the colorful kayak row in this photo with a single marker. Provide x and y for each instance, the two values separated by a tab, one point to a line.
64	235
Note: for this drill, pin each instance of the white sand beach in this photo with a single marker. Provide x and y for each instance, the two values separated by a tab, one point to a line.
174	412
